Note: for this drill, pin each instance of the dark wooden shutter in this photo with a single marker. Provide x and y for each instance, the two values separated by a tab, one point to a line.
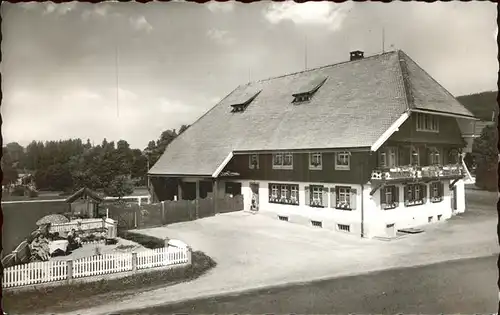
405	190
423	189
441	189
353	195
332	198
396	195
308	196
382	195
325	197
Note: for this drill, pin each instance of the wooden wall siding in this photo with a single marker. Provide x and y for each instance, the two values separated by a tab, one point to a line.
404	152
361	165
449	132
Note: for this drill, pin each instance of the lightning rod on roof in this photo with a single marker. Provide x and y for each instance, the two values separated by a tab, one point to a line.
383	40
305	53
116	79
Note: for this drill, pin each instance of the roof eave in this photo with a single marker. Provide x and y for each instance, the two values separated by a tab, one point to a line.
439	113
390	131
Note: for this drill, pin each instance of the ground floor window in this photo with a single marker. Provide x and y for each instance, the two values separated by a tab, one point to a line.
343	198
436	191
233	188
316	196
415	194
389	197
284	194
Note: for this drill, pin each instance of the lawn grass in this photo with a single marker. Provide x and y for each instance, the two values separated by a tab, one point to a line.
70	297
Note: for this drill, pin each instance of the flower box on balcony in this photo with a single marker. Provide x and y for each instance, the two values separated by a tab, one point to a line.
436	199
388	206
316	203
343	206
413	202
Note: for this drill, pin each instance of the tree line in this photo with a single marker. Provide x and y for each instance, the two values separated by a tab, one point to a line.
67	165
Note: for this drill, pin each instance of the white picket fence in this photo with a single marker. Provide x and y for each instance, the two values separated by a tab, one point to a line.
42	272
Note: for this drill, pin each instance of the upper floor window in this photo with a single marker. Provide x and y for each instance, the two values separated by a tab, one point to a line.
253	161
388	157
434	156
315	161
342	161
414	156
426	122
454	157
283	161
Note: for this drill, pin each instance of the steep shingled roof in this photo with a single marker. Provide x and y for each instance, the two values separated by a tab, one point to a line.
356	104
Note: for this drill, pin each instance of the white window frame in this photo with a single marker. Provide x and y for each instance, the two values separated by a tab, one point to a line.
317	196
347	157
427	123
274	191
343	193
294	193
282	156
284	192
251	159
319	157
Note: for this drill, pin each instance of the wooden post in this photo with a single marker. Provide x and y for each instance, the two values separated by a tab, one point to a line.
134	261
69	270
189	255
216	196
197	199
163	212
179	189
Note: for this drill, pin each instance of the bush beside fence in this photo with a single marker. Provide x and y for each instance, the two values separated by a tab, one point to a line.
49	271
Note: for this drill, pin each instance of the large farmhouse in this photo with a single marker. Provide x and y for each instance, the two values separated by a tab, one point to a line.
368	146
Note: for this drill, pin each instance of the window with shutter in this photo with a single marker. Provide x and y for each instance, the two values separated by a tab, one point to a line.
343	194
284	194
316	192
307	196
415	194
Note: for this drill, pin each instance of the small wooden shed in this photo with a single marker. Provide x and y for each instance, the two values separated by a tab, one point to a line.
84	202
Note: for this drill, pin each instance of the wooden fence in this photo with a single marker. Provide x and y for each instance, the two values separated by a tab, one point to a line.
57	270
87	224
131	216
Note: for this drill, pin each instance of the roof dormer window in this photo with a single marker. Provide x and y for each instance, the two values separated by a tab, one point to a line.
307	91
241	103
300	98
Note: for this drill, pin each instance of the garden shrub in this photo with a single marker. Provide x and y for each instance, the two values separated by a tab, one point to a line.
147	241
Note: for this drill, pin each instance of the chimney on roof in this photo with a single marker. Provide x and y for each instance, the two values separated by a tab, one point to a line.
356	55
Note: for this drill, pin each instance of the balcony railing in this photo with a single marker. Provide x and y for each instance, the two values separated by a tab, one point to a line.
414	172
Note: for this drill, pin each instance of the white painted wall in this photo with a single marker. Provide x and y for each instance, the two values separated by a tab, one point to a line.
302	213
460	196
377	218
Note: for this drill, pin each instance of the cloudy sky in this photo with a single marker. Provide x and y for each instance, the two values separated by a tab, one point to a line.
130	71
